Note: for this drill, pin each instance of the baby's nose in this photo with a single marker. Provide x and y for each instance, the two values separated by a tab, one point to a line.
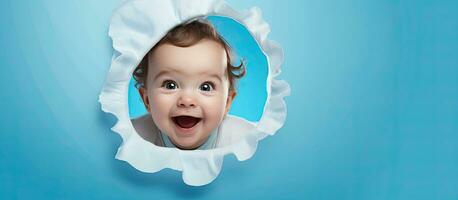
186	101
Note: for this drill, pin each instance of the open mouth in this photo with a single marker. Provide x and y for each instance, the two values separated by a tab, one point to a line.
186	122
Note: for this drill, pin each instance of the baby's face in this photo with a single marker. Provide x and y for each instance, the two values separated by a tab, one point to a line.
187	91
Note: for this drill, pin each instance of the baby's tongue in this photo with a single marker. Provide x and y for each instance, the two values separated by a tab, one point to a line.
186	121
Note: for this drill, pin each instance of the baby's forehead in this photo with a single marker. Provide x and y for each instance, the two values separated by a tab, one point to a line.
202	57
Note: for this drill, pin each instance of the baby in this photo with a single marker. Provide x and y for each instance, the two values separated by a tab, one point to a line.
186	82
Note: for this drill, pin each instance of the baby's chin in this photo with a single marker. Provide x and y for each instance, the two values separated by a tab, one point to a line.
189	143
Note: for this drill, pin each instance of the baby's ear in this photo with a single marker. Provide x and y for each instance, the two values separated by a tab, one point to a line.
144	96
230	98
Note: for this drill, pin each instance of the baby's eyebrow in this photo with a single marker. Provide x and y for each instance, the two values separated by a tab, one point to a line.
168	71
163	72
214	76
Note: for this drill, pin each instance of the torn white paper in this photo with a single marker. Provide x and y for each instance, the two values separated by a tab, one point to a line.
135	27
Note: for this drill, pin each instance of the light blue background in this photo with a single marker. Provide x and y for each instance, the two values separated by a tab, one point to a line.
373	112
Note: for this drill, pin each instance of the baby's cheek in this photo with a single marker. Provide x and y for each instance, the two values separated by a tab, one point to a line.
160	106
215	108
160	100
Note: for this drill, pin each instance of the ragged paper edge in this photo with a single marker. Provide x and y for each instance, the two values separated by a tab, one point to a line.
134	29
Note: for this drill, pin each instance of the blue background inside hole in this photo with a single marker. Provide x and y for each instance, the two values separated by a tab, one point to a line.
251	89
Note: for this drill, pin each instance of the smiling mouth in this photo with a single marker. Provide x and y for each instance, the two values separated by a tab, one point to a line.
186	122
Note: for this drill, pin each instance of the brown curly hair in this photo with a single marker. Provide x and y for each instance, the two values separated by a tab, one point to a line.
186	35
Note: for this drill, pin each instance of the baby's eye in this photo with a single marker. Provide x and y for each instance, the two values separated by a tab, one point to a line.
169	85
207	86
